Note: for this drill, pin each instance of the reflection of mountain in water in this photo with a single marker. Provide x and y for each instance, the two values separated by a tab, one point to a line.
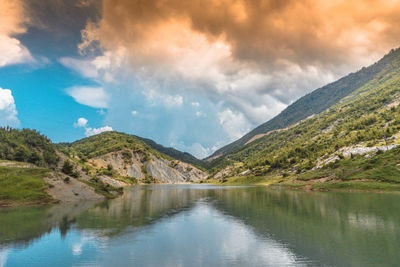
328	228
342	229
135	208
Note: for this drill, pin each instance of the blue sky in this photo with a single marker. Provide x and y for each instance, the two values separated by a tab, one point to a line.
177	74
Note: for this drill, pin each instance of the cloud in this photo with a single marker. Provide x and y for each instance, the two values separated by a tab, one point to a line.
195	104
200	114
234	123
13	21
134	112
173	101
245	51
248	58
8	110
102	68
82	122
196	149
4	252
155	97
95	97
94	131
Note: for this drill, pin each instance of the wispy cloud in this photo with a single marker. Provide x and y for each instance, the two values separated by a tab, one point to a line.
95	97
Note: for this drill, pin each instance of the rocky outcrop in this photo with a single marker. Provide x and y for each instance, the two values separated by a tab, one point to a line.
139	165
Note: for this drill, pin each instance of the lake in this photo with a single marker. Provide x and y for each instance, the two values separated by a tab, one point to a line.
204	225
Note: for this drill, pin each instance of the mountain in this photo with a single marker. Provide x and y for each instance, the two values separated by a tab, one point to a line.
315	102
176	154
355	140
34	170
131	156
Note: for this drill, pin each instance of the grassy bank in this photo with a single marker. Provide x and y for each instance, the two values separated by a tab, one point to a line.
379	172
23	186
331	185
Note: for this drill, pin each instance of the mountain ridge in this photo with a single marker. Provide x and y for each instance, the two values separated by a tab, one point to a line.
353	144
317	99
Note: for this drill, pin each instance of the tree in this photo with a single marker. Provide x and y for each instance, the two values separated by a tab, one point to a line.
67	168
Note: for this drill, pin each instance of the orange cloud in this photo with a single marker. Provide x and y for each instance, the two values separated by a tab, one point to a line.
12	22
261	31
255	56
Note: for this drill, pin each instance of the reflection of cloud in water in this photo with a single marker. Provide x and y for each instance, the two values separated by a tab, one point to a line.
370	222
77	249
3	256
215	239
92	238
242	245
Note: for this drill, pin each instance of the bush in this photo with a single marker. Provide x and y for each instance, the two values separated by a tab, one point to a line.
67	168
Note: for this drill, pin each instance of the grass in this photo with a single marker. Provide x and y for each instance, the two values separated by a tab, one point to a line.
244	180
317	174
358	173
358	185
18	185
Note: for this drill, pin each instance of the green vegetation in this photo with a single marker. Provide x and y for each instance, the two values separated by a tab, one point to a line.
23	185
241	180
27	146
377	173
148	179
364	118
384	167
69	169
107	142
104	143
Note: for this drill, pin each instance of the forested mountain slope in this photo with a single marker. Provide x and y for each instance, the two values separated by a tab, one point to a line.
318	100
356	138
34	170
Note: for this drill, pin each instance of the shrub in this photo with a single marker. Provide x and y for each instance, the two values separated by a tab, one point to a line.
67	168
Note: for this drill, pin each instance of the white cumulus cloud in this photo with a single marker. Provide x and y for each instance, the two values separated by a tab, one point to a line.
8	110
12	22
89	131
12	51
93	131
82	122
95	97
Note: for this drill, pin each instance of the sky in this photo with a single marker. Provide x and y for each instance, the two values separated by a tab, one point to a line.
193	75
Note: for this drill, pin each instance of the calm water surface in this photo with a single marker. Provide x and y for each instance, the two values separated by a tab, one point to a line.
202	225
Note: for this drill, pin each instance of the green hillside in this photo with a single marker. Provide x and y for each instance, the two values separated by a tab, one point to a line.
107	142
27	146
368	118
319	100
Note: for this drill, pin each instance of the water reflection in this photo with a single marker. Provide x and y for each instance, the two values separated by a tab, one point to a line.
195	225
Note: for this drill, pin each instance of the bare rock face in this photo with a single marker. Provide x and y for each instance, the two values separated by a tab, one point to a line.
139	165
